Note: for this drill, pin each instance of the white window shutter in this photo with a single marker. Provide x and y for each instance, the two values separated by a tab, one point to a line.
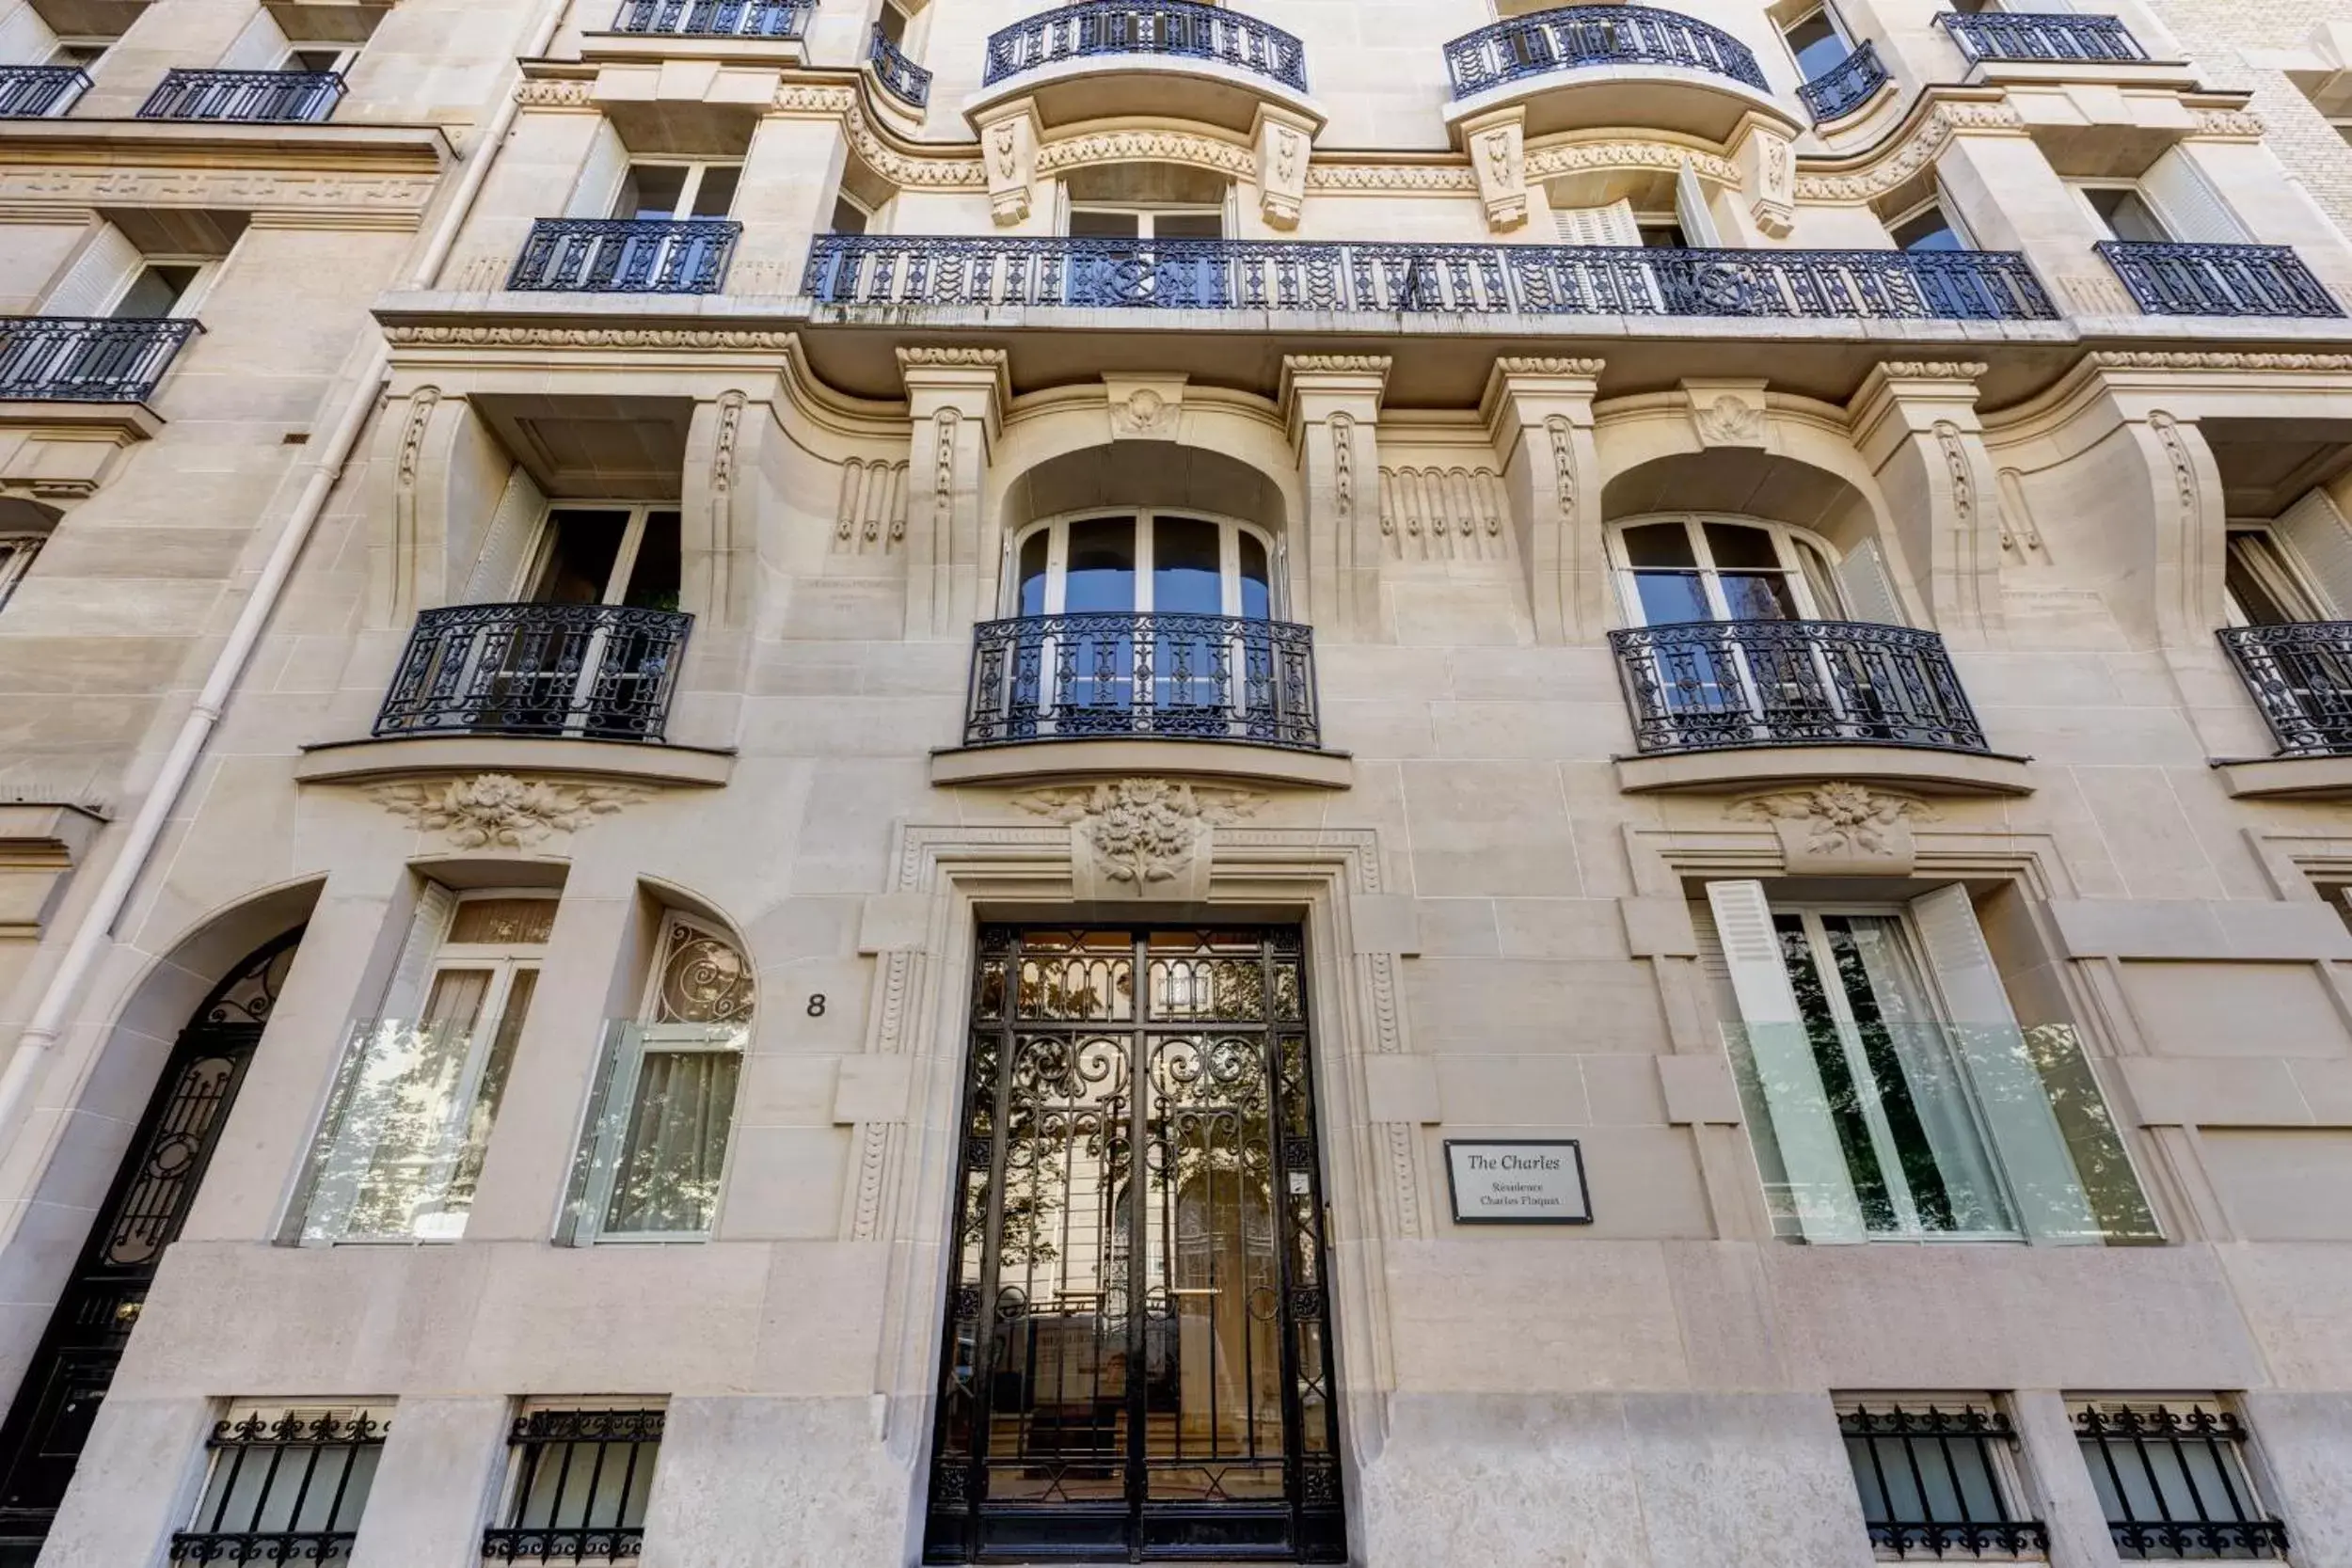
1609	225
2192	210
600	176
1691	211
2043	1185
1819	1182
1869	591
97	276
2316	532
404	997
507	543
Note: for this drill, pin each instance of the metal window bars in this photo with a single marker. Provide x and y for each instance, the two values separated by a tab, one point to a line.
86	358
596	671
1184	28
257	97
33	91
579	1485
2172	1481
1846	86
2046	36
1933	1481
1396	278
761	19
900	77
2302	677
625	256
2171	280
1200	677
284	1489
1574	36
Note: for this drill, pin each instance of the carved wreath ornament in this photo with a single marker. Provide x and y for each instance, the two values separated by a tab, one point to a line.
499	811
1847	819
1141	830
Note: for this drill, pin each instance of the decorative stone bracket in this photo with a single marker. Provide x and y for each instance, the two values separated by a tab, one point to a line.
1498	149
1285	144
1008	139
1766	161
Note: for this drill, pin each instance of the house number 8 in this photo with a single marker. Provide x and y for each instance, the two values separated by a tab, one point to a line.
816	1004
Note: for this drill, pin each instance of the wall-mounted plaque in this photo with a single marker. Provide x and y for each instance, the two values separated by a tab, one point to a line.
1517	1181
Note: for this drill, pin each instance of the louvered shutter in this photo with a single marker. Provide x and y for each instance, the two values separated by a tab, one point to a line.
1609	225
404	996
1820	1185
507	543
2009	1094
98	274
600	176
1691	211
1869	592
2193	211
2317	534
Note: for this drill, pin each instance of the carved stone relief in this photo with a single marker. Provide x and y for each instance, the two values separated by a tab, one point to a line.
871	515
499	810
1450	513
1840	828
1135	836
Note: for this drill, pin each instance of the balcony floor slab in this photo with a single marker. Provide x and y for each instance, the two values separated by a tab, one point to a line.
1029	762
629	761
1927	772
2309	778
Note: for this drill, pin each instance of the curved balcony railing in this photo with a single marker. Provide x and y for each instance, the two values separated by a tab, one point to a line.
1195	677
588	671
2028	37
35	91
625	256
1177	27
1577	36
1702	686
900	77
2301	678
256	97
2218	279
719	19
86	358
1846	86
1388	276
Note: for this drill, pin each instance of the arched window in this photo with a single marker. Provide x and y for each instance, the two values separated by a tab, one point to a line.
1160	562
1679	569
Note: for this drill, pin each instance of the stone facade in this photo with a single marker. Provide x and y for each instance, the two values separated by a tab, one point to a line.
2003	772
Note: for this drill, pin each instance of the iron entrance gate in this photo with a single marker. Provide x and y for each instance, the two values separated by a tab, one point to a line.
1138	1356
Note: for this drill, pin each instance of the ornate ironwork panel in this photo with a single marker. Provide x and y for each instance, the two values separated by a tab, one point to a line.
289	1490
1701	684
1395	276
625	256
2173	1482
2218	279
1179	28
268	97
900	77
604	672
86	358
582	1479
2042	36
1846	86
1137	1360
1204	677
60	1398
1574	36
751	19
1933	1482
2302	677
31	91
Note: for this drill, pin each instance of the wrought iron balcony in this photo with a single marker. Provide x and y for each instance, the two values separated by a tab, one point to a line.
1846	86
1177	27
1196	677
2218	279
625	256
86	358
588	671
34	91
900	77
2026	36
1281	275
1577	36
256	97
2301	678
725	18
1702	686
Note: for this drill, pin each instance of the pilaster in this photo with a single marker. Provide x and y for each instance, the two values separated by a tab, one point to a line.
955	403
1331	407
1539	414
1914	424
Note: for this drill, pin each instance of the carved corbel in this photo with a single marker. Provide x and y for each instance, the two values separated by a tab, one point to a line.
1498	150
1766	161
1144	407
1008	138
1914	424
1330	404
1285	144
955	404
1728	413
1539	416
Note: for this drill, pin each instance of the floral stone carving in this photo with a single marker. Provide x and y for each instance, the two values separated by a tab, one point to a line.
1140	834
1840	828
499	811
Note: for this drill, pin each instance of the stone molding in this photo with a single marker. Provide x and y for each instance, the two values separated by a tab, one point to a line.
1574	157
328	199
1745	769
1158	146
1878	172
626	762
412	334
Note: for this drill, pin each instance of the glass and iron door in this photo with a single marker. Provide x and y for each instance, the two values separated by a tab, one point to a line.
1126	257
1137	1360
90	1327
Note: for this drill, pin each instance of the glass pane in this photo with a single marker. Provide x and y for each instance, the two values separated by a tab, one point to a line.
2102	1166
1187	226
1828	602
676	1143
1928	230
503	922
1663	235
394	1122
580	552
1257	580
1185	576
153	293
450	1223
847	217
1736	547
1659	544
2126	215
1104	226
1759	597
1817	46
1032	599
651	191
1667	597
715	197
1101	566
583	1485
1843	1095
655	577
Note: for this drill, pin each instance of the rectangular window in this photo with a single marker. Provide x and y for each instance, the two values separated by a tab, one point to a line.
2123	213
1937	1479
665	192
1927	227
407	1124
849	218
2172	1481
1817	44
286	1484
577	1485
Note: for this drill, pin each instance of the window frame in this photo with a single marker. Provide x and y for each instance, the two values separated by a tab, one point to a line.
247	1426
1146	214
1836	24
514	1488
1788	539
2284	576
842	197
2236	1454
697	170
345	55
1943	210
2082	189
2003	1456
1229	530
616	583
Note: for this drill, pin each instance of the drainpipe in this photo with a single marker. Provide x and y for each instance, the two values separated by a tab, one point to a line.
96	927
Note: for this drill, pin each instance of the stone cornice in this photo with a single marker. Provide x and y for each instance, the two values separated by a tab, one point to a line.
381	176
1158	146
899	161
1939	115
424	335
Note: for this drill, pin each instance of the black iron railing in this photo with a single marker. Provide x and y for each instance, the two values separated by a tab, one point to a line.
1392	277
260	97
602	671
1932	1483
2173	1484
750	18
1179	28
1846	86
625	256
1201	677
2168	279
285	1491
900	77
1700	685
2301	678
86	358
1577	36
31	91
2043	36
581	1482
